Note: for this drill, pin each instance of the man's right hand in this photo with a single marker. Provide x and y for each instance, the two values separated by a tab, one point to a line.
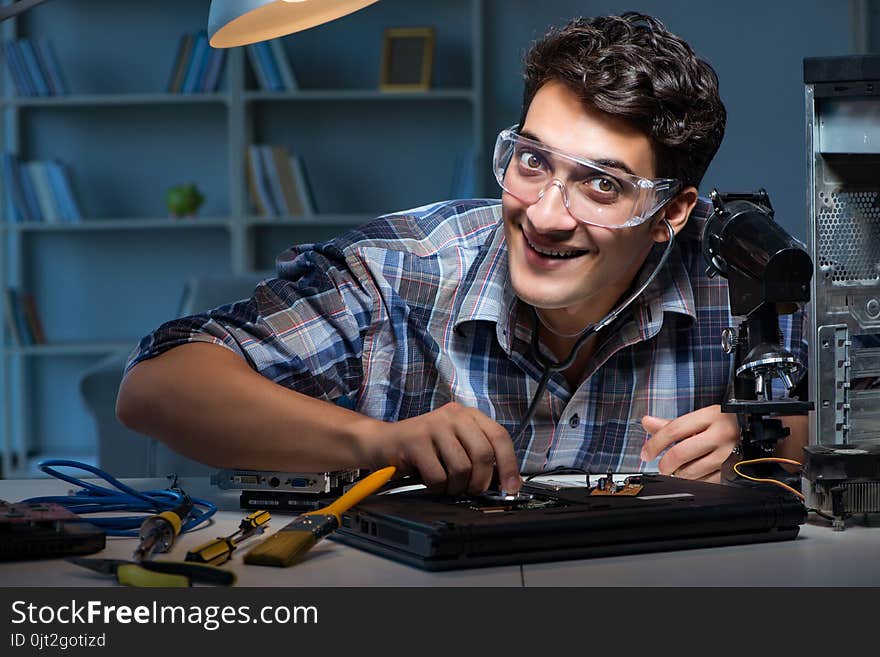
454	449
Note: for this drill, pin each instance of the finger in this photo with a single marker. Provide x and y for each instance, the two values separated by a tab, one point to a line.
713	478
687	450
703	466
505	456
455	459
681	427
481	453
426	461
653	424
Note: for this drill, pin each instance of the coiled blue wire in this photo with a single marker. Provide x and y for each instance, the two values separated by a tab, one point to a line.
98	499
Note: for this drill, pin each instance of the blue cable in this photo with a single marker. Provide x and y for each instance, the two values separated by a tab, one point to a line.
94	499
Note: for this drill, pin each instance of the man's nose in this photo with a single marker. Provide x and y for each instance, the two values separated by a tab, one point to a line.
550	211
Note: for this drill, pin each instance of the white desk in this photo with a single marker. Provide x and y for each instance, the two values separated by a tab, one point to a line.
818	557
327	564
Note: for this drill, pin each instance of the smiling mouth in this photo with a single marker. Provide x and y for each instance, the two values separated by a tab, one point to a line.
553	253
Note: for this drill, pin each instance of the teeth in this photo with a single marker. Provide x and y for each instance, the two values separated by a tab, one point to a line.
556	254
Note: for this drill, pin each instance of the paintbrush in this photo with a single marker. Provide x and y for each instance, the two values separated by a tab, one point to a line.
291	542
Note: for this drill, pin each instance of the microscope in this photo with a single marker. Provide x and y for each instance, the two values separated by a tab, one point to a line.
768	274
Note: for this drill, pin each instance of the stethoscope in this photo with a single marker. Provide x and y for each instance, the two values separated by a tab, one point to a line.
550	366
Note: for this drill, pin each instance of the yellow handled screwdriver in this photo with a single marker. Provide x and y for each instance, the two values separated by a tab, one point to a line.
159	531
292	541
219	550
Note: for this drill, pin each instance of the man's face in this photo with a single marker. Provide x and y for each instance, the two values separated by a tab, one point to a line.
599	263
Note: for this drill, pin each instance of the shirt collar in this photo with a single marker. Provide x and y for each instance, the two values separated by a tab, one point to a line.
487	294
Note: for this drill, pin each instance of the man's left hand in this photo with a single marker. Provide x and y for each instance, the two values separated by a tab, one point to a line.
698	442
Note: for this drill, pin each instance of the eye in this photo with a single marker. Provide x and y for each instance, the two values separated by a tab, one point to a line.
530	160
603	185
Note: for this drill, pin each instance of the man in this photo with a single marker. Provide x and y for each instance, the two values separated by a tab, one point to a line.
420	339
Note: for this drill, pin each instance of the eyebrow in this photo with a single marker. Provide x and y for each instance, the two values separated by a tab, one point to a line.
605	162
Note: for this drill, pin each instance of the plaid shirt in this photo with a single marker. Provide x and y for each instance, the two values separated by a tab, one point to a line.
413	310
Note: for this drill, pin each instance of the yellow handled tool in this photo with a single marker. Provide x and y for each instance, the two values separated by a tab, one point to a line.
292	541
158	532
220	549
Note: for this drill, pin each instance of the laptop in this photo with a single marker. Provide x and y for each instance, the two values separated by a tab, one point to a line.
562	519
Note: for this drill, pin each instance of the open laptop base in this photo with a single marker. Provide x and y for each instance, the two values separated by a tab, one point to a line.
434	532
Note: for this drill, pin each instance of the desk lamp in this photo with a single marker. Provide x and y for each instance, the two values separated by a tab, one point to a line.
240	22
16	8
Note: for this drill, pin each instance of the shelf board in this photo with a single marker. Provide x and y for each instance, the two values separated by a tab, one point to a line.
122	224
314	220
93	100
71	349
358	95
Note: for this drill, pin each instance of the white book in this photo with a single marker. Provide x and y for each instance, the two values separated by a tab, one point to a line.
39	176
288	77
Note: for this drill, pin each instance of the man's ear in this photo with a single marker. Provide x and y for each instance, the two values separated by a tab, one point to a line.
676	213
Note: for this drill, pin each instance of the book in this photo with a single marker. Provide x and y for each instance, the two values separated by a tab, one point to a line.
190	81
181	61
273	182
30	194
257	182
32	315
62	189
289	190
14	195
53	69
39	176
257	67
297	166
33	67
17	69
9	313
288	77
22	329
215	70
270	67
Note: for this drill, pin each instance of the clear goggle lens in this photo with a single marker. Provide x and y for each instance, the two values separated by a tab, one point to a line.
592	193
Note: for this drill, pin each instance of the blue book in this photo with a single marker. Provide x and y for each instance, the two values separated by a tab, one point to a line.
257	66
204	65
68	198
267	59
191	80
20	76
211	79
52	67
15	205
30	194
21	323
53	171
33	67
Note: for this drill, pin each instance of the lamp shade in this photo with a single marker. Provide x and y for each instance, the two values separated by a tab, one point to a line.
239	22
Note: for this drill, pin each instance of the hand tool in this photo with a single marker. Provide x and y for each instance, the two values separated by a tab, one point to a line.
157	573
292	541
220	549
158	532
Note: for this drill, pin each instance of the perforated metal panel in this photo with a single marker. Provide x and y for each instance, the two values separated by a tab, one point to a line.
848	236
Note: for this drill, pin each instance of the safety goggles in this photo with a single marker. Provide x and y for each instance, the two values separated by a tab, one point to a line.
592	193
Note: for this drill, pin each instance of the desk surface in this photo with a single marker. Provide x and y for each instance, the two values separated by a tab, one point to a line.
818	557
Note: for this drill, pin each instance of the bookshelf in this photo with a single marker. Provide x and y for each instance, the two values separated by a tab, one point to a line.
103	282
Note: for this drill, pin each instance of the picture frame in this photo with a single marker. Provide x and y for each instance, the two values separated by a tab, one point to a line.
407	59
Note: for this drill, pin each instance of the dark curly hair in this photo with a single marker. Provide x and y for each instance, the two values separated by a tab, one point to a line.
632	67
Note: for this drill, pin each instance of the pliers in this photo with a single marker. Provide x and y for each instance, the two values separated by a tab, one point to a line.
157	573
